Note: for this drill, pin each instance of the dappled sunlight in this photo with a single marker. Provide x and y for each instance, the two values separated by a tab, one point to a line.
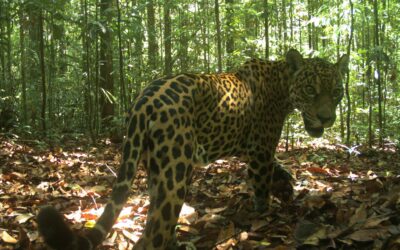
348	198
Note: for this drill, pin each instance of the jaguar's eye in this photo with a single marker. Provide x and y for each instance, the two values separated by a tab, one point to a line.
310	90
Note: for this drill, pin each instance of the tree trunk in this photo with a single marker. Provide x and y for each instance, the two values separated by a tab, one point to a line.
151	33
86	71
96	106
266	29
368	80
167	39
22	65
338	19
219	42
32	64
51	74
378	73
284	28
230	43
106	66
309	26
10	79
348	75
42	72
184	39
121	62
3	80
138	49
205	33
291	21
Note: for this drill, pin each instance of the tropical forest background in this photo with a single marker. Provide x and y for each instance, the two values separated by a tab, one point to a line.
76	66
70	69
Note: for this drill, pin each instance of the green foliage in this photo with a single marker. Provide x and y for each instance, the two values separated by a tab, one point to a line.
72	45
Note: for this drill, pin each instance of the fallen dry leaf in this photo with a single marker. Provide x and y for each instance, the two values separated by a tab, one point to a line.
339	202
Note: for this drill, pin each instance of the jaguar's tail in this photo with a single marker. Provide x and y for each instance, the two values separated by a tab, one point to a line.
55	231
57	234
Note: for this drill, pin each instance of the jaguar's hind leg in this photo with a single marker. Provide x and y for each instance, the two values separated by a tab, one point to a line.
169	169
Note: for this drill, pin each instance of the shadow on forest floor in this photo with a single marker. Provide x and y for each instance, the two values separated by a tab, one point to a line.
341	201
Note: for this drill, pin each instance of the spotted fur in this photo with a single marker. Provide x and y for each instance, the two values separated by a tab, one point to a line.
189	120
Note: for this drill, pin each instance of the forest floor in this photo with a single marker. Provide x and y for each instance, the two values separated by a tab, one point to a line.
343	199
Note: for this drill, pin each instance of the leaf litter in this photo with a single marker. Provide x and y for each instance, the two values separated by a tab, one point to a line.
342	200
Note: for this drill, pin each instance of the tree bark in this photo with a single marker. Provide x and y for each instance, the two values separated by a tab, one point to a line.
10	79
43	73
348	115
266	29
167	39
87	72
378	73
184	39
230	43
106	65
138	50
219	40
22	65
151	33
121	61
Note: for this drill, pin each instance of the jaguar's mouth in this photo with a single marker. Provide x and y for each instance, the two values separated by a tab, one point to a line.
315	132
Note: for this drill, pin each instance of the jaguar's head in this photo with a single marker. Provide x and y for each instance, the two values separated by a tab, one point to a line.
316	89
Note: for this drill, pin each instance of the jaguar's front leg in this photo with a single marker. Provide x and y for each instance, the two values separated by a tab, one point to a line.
260	170
282	183
266	177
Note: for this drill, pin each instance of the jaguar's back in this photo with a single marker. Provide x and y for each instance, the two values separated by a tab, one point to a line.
180	122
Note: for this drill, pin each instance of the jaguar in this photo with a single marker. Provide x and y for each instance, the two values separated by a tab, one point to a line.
188	120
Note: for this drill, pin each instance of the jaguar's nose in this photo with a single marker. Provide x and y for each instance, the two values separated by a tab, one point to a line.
324	118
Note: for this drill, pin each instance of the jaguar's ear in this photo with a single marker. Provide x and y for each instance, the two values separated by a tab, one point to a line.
343	64
294	59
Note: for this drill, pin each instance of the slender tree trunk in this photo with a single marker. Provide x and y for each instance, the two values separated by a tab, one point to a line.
32	64
309	26
86	72
138	50
338	19
385	69
3	80
121	61
278	34
266	29
51	74
378	71
167	39
184	40
300	33
151	29
207	38
284	27
42	71
219	40
230	43
97	77
288	126
106	66
204	14
369	82
10	78
348	75
22	64
315	30
291	21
